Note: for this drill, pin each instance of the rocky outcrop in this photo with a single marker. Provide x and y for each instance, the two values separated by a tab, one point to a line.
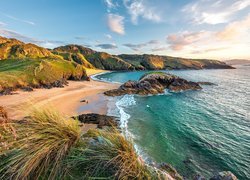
224	175
154	83
170	170
100	120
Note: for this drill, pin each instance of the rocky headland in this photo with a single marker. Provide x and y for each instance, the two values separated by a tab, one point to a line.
156	83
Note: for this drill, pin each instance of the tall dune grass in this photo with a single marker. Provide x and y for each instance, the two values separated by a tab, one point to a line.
43	140
109	155
46	145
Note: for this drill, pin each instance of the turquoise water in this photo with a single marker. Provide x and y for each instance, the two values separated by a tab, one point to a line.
198	132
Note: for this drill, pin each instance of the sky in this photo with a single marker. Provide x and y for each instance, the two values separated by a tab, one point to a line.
213	29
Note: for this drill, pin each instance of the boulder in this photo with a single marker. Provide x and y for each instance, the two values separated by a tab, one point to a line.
7	91
100	120
199	177
224	175
170	170
154	83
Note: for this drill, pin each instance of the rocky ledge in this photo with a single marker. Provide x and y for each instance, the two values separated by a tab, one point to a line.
156	83
99	119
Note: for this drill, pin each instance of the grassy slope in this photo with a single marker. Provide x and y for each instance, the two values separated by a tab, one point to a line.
35	72
100	60
23	65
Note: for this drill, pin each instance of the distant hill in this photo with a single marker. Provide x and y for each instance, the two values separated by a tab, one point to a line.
238	62
15	49
149	61
102	60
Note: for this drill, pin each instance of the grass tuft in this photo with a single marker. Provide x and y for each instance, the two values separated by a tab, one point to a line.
42	142
108	155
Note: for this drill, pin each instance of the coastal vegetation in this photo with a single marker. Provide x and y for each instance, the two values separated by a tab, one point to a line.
47	145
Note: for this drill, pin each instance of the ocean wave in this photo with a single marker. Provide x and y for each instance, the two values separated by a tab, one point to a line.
125	101
97	78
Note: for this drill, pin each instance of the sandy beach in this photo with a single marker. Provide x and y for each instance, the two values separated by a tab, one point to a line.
66	100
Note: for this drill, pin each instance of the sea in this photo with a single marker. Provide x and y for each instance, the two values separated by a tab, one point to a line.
197	132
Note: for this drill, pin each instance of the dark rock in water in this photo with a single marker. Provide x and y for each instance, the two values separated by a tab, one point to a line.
84	100
100	120
206	83
154	83
199	177
187	161
171	171
224	175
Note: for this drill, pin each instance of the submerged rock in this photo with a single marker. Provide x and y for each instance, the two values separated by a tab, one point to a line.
154	83
100	120
171	171
224	175
206	83
199	177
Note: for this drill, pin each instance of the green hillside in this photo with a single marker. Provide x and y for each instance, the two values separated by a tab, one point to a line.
99	60
37	73
153	62
28	65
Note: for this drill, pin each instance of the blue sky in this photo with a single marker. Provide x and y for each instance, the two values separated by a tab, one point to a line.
217	29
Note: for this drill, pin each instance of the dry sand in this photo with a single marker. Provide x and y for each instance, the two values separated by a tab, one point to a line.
66	100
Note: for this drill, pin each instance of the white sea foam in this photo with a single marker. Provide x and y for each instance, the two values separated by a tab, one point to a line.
125	101
95	77
98	74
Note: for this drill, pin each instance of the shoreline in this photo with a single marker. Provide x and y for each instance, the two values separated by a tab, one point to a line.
66	100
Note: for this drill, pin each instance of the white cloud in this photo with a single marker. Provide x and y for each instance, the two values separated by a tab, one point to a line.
138	8
110	4
44	43
178	41
2	24
108	36
107	46
215	11
18	19
140	46
233	40
116	23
